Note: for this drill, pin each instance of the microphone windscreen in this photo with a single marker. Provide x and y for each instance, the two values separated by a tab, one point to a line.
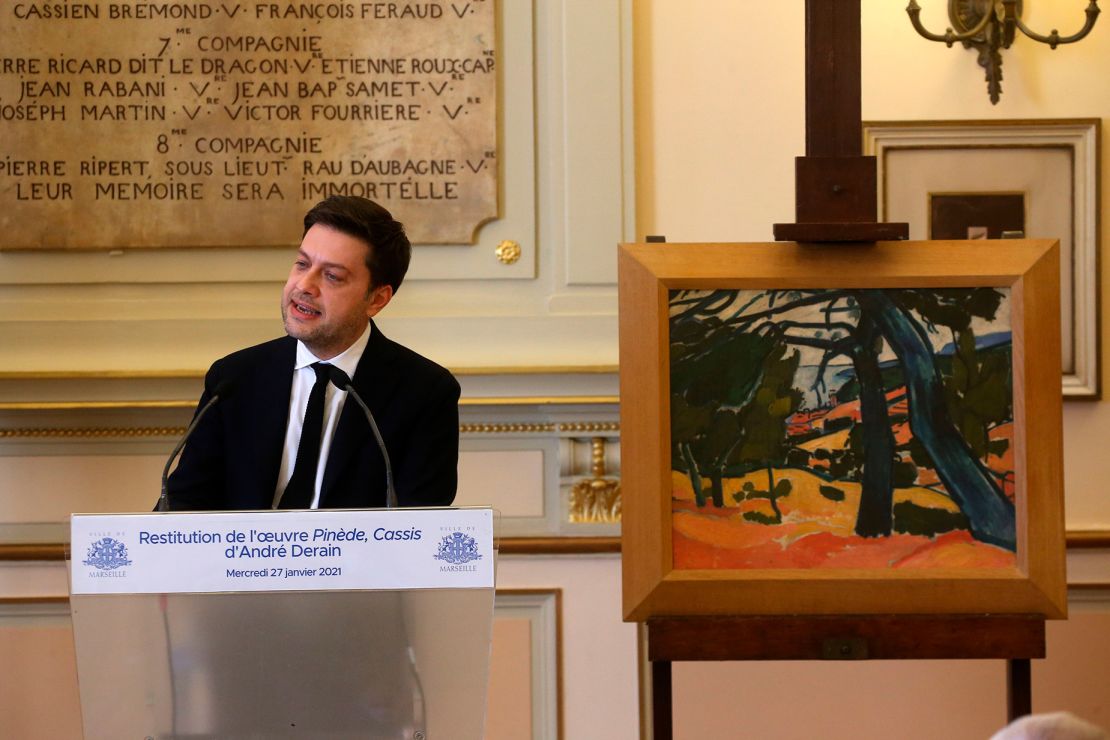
340	378
224	388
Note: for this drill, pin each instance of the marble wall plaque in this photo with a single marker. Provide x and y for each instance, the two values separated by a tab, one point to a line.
194	124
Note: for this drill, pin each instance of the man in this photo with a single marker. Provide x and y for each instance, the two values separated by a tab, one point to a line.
247	452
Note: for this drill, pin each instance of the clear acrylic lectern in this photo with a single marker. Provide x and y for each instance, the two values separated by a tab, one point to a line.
194	626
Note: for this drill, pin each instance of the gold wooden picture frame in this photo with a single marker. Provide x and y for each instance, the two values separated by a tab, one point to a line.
1031	582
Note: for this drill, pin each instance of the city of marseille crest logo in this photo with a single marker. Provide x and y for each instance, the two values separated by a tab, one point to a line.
458	548
107	554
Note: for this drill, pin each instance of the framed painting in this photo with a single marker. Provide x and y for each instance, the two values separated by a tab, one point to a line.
1006	179
859	429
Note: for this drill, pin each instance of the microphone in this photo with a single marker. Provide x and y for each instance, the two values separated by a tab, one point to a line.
343	383
223	388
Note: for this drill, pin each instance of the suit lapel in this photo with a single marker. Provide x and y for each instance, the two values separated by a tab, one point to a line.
274	385
374	382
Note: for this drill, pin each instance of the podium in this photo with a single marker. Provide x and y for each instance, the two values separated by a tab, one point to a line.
318	624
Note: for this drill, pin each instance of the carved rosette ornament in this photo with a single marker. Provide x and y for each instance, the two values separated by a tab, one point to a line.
508	252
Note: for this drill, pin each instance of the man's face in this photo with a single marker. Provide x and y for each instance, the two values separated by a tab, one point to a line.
327	299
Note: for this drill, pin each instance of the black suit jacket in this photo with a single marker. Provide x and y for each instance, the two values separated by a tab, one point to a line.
231	462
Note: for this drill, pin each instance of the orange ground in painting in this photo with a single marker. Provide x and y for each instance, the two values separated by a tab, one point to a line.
815	532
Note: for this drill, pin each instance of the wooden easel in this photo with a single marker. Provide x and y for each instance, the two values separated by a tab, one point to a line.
1014	638
836	201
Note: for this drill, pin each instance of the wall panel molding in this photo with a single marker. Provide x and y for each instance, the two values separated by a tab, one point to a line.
535	457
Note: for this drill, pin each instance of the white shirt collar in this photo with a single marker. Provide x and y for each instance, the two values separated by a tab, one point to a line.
347	360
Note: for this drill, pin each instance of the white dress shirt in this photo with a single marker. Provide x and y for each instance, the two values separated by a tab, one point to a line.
304	377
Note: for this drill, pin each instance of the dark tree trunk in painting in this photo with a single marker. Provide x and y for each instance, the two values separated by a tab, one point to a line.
771	494
717	487
876	484
989	513
692	471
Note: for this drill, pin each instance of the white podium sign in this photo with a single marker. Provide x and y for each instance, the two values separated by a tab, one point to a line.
320	550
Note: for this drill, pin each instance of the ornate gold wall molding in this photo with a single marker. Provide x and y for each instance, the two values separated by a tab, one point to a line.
197	374
596	499
591	427
91	432
537	370
189	404
93	405
177	431
100	374
499	428
579	427
538	400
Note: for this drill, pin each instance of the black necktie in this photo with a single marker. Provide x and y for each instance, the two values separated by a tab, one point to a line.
301	487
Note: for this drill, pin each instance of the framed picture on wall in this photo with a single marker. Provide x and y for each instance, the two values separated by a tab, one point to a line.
1006	179
864	429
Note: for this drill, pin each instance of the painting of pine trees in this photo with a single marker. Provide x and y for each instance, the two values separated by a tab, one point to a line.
850	428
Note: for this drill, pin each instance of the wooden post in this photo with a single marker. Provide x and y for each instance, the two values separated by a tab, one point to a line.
1019	688
833	99
662	701
835	187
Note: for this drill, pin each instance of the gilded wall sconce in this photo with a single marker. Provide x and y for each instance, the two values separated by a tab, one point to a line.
988	26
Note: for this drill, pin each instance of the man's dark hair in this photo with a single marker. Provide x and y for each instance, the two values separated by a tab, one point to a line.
389	252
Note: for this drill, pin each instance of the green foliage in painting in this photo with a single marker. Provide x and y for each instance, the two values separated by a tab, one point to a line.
712	367
731	394
978	393
760	518
909	518
904	474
